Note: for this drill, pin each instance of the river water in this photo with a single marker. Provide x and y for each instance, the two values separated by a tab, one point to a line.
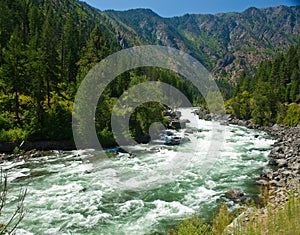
84	192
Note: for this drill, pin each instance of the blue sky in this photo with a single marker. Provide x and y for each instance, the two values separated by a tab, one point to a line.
168	8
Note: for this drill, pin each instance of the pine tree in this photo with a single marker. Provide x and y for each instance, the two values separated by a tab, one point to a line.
70	49
48	50
7	22
13	70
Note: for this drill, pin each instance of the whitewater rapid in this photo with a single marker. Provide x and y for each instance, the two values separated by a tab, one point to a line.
84	192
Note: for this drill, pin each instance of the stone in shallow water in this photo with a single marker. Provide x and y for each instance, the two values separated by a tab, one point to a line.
234	193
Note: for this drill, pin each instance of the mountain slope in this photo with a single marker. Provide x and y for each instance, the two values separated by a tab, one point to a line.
226	43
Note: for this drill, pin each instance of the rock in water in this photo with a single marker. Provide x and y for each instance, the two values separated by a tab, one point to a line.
234	194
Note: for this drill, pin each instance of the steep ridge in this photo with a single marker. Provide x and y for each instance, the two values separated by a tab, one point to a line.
226	43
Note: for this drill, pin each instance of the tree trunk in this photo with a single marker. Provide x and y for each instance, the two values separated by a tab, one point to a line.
17	107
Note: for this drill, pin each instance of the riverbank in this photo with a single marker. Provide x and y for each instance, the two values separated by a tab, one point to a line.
284	158
43	145
157	184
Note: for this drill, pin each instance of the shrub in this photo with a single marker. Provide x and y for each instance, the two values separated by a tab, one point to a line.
4	123
192	226
13	135
292	115
282	221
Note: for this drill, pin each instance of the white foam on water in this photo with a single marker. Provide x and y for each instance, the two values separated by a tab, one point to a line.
197	196
6	165
23	232
69	193
130	206
17	173
162	210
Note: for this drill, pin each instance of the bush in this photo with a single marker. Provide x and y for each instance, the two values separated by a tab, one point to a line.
222	220
106	138
283	221
292	115
13	135
192	226
4	123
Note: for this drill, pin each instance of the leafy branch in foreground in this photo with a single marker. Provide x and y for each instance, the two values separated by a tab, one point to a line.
18	214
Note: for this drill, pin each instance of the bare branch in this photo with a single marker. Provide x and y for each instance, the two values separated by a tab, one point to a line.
18	214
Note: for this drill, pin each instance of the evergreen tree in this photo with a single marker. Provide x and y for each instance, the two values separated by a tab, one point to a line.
49	54
70	49
13	70
275	85
7	24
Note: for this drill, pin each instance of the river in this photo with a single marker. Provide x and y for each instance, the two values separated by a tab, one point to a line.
83	192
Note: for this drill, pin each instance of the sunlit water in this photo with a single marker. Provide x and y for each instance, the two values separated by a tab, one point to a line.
82	192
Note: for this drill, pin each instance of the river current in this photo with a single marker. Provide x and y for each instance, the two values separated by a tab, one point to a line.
150	190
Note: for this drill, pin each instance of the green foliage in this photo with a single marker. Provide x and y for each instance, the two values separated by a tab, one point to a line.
283	220
41	46
192	226
57	124
222	220
266	96
46	51
241	105
196	226
292	115
106	137
215	102
4	123
13	135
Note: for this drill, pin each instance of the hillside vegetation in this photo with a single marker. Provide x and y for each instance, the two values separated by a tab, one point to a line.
47	48
272	95
226	43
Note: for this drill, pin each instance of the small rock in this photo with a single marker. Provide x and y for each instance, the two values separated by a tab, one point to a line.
275	183
282	162
262	182
234	193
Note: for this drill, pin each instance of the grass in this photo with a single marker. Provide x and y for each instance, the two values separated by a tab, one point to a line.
284	220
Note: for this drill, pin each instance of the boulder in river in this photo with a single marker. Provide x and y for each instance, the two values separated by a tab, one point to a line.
178	124
234	194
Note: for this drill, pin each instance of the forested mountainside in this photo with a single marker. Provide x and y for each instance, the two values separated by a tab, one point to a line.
48	46
226	43
46	49
272	95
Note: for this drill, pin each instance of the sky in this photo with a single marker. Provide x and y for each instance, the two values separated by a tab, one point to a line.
170	8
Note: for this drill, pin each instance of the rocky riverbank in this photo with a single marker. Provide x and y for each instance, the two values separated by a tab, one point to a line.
7	147
32	149
284	156
284	159
284	178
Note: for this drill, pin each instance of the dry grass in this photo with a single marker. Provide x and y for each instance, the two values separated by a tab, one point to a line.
282	220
